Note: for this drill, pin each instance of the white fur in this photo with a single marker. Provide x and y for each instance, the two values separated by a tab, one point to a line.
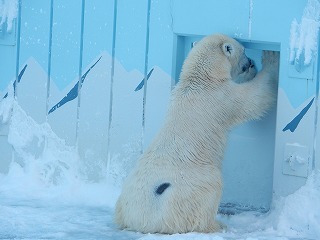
188	151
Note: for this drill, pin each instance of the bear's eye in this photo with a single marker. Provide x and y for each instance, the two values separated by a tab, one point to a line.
228	48
244	68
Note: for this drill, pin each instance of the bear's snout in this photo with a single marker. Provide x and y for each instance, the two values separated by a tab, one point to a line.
249	64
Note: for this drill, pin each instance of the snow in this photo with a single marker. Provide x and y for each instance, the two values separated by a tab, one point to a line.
47	194
304	35
296	206
8	12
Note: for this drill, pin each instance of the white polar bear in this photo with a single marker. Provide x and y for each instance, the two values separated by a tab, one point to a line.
176	185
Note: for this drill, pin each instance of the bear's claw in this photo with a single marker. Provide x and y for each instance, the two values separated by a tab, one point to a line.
270	60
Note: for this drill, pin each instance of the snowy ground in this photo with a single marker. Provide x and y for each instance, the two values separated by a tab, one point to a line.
56	219
46	195
85	211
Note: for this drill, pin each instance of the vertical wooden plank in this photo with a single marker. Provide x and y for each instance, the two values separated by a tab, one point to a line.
316	153
8	47
65	55
7	66
35	20
32	83
5	147
8	69
127	104
95	92
159	62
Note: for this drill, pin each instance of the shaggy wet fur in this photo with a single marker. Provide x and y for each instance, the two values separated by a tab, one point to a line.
176	185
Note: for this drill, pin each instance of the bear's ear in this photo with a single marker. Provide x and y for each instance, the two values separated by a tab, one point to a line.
227	48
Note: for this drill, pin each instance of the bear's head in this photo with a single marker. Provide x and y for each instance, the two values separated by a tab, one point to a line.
218	58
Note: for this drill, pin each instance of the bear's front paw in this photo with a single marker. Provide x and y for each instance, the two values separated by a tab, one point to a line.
270	61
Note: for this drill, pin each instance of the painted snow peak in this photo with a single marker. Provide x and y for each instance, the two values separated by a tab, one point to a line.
141	84
8	12
45	157
37	149
14	84
295	122
73	93
44	167
304	35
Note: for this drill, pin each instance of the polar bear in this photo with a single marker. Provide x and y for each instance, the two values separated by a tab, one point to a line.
176	185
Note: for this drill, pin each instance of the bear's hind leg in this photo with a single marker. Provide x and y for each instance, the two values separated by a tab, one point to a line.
118	217
214	226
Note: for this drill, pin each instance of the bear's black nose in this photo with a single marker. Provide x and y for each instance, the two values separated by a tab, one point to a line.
248	65
251	63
